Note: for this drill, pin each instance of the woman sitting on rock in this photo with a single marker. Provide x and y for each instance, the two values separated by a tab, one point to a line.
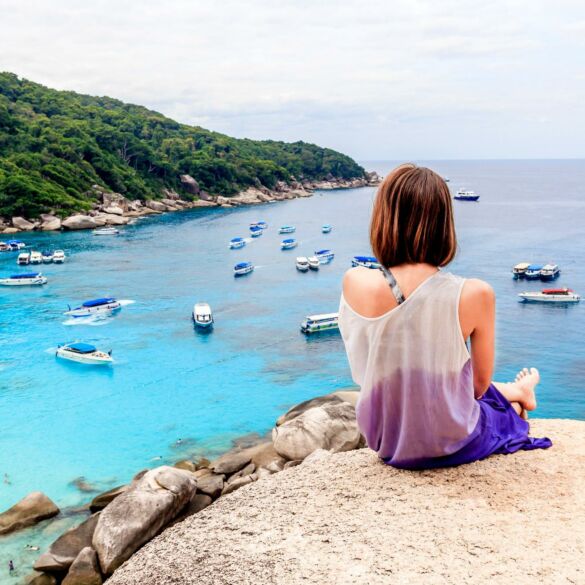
425	401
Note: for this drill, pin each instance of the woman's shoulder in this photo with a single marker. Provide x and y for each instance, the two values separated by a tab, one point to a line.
476	291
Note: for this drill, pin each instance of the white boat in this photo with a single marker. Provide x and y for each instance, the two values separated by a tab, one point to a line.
47	257
365	261
326	228
318	323
302	263
256	231
287	229
463	195
25	279
550	272
36	258
551	295
533	272
4	247
103	306
84	353
106	231
13	246
325	256
262	224
58	257
237	243
243	268
288	244
519	271
23	259
313	262
202	315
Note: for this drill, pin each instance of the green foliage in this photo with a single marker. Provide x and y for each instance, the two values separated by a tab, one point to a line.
54	145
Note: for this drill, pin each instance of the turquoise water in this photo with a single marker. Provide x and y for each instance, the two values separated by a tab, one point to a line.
174	392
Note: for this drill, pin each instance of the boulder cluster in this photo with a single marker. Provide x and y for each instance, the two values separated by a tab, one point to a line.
113	209
123	519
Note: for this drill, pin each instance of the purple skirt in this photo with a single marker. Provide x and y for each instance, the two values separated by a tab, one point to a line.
499	430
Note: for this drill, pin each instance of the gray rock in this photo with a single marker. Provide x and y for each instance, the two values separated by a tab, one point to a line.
79	222
41	579
198	502
85	569
65	549
110	219
290	464
156	205
113	210
186	464
10	230
306	405
114	200
238	483
211	484
316	457
50	224
102	500
190	184
332	427
203	203
231	462
140	513
23	224
247	470
350	396
30	510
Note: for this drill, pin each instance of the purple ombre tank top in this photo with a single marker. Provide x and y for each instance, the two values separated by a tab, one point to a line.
414	370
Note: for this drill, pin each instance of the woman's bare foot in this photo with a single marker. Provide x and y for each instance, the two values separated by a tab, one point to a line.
527	380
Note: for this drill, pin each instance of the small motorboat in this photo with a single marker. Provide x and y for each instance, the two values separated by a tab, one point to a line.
313	262
262	224
550	272
84	353
519	271
58	257
365	261
326	228
237	243
202	316
243	268
302	264
4	247
325	256
36	258
103	306
533	272
256	231
47	256
23	259
463	195
106	231
550	295
25	279
288	244
287	229
318	323
15	245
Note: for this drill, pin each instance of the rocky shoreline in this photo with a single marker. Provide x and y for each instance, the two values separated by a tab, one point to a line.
113	209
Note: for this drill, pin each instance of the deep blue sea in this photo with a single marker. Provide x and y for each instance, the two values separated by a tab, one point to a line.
174	392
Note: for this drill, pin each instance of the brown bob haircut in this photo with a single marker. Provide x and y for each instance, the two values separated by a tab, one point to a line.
412	220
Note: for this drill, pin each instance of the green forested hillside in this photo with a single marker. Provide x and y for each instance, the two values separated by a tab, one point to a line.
55	144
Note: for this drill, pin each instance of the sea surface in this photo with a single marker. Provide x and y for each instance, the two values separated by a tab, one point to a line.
70	430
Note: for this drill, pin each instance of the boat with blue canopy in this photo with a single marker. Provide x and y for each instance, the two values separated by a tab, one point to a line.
47	256
104	305
84	353
288	244
325	256
365	261
262	224
287	229
12	246
243	268
256	231
533	272
326	228
24	279
463	195
237	243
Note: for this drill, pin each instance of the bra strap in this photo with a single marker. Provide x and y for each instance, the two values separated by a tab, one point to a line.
391	280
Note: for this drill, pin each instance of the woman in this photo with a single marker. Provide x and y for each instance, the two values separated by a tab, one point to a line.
425	401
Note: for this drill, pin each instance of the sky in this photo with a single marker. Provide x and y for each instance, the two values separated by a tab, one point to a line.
376	79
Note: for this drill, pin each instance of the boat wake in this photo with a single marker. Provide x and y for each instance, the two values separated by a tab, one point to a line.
126	302
93	320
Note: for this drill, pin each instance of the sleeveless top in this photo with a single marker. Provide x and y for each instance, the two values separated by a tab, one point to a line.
412	364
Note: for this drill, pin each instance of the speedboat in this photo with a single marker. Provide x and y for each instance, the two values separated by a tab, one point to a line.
36	258
288	244
326	228
519	271
84	353
287	229
256	231
103	306
533	272
237	243
550	272
317	323
47	257
463	195
25	279
313	262
262	224
365	261
106	231
325	256
4	247
202	315
58	257
15	245
23	258
302	264
551	295
243	268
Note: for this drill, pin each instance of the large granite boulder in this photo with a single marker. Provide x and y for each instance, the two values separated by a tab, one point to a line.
10	230
103	499
23	224
155	205
30	510
114	200
203	203
79	222
331	426
190	184
301	407
85	569
50	223
210	484
110	219
41	579
140	513
231	462
113	210
66	548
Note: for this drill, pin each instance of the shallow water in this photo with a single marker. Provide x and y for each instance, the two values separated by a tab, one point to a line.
173	392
